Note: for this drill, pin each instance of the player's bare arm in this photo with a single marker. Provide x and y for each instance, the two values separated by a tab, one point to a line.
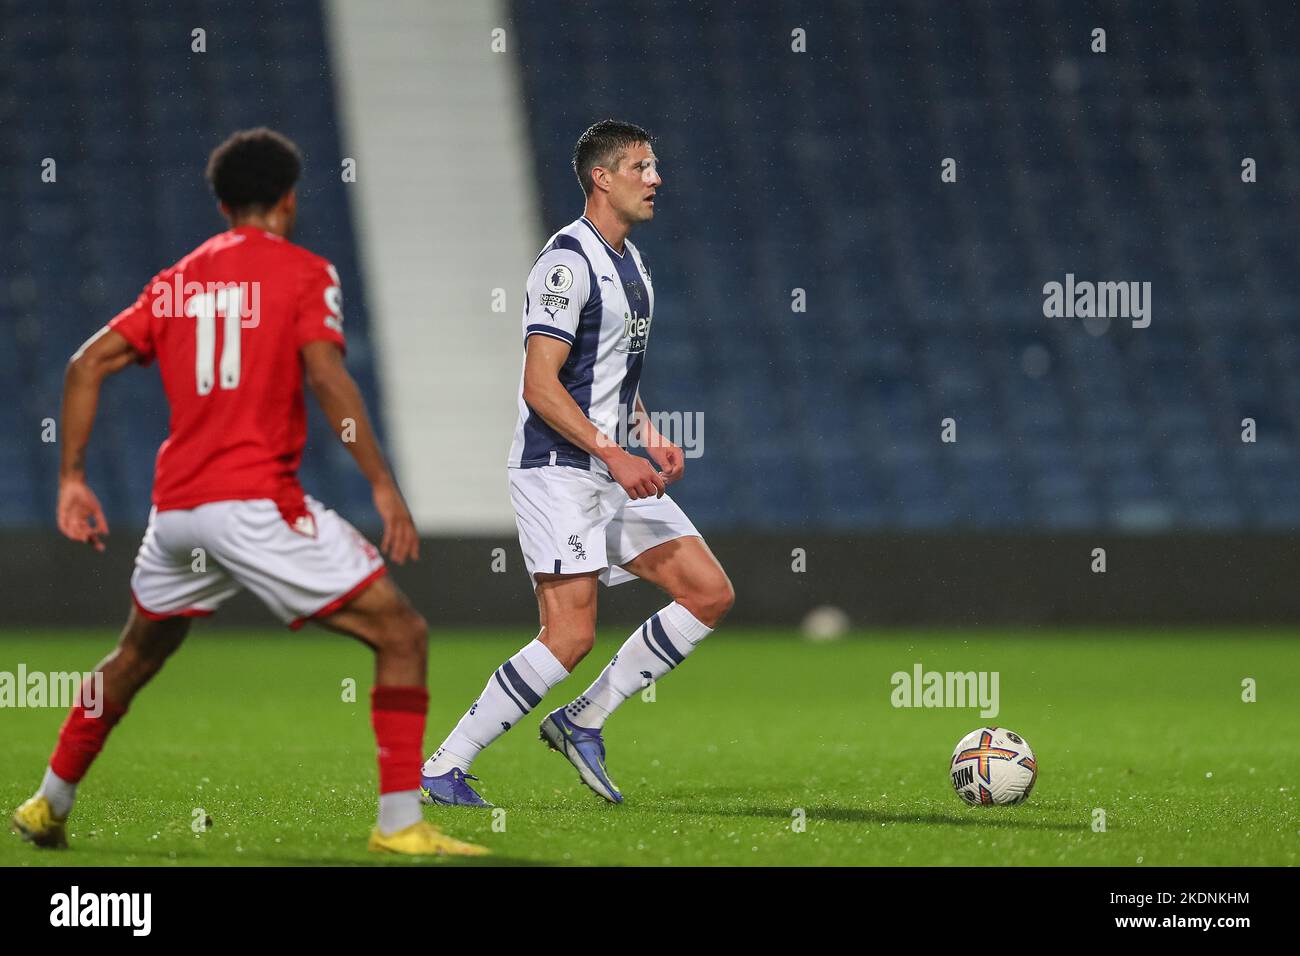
664	453
105	353
341	401
547	396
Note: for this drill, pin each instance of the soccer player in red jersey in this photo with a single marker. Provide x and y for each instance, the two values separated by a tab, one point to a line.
235	328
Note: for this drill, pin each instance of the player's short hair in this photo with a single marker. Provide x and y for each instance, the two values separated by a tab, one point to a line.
253	169
602	145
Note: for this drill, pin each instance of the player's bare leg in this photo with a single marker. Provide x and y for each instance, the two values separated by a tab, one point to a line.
702	595
141	651
686	569
566	605
567	609
381	617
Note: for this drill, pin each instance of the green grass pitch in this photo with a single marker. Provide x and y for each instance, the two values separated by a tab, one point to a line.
252	729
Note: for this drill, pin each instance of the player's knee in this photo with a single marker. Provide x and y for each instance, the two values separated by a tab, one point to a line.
582	639
711	603
416	622
136	666
402	632
572	641
413	632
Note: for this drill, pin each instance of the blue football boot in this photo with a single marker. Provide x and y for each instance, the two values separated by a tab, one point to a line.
450	789
585	749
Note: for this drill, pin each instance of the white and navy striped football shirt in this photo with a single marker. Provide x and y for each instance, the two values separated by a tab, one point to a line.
582	292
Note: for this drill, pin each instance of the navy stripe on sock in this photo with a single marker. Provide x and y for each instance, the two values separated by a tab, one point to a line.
522	708
661	639
666	661
521	685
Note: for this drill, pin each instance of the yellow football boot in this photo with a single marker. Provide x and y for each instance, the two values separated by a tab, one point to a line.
422	839
36	823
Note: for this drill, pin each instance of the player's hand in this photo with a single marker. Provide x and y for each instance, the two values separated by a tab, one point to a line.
669	458
401	541
637	476
80	516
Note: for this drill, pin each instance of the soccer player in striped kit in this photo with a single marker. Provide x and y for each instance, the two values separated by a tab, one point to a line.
588	510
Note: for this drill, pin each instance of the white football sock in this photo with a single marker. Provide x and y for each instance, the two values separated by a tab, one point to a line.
651	652
514	689
59	792
399	810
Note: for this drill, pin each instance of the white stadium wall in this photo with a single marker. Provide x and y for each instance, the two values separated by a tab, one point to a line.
444	219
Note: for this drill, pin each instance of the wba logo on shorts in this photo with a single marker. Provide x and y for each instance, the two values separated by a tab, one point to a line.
576	544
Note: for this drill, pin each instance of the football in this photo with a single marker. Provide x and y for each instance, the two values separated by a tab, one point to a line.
993	765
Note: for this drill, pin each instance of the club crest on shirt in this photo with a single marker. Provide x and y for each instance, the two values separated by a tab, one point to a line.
558	279
304	525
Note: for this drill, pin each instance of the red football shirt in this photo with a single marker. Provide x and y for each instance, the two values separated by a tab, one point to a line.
226	324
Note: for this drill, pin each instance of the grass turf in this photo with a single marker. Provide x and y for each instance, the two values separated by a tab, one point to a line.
251	728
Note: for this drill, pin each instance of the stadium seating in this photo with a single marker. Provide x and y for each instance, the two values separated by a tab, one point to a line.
820	171
817	171
108	92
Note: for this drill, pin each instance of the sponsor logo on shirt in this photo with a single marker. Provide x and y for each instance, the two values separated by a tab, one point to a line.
636	333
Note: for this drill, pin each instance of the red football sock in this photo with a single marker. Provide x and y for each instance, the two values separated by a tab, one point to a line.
397	714
82	738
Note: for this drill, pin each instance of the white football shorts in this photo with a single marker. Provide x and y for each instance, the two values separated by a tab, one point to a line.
574	521
192	560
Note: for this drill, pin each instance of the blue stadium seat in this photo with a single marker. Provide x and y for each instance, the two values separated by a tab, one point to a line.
130	115
821	172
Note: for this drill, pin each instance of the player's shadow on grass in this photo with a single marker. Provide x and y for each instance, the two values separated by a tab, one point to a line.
977	817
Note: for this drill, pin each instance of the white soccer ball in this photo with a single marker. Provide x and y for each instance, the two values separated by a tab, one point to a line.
993	765
825	623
